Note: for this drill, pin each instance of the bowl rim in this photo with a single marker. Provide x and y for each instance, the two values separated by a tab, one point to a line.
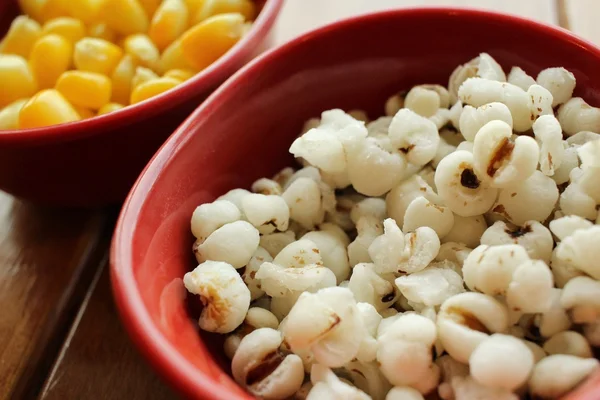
163	356
202	81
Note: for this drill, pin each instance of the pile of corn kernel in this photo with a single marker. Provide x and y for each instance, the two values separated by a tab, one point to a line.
447	250
65	61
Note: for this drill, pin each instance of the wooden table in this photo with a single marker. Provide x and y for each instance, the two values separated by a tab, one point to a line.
60	337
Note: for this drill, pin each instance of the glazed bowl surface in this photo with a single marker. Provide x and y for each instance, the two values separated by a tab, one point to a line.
243	131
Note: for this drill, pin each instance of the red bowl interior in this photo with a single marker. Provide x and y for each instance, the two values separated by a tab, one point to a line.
242	132
95	161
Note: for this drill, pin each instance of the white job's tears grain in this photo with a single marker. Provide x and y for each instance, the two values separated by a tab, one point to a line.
470	270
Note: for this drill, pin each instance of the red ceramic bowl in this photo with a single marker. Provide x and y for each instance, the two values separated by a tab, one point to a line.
242	132
94	162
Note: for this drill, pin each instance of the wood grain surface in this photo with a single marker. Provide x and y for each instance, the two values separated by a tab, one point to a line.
98	361
47	260
60	336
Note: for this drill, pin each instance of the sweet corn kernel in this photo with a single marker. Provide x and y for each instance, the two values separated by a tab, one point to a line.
179	74
9	115
125	16
215	7
193	6
142	75
102	31
168	23
150	6
118	47
50	57
43	10
143	51
55	9
18	81
152	88
47	107
110	107
85	89
21	36
85	10
96	55
172	58
121	78
71	29
210	39
33	8
84	113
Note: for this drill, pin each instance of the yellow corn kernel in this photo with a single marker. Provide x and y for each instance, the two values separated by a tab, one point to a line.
143	51
150	6
121	78
110	107
21	36
204	43
152	88
179	74
125	16
96	55
43	10
85	89
102	31
142	75
33	8
50	57
85	10
9	115
172	58
17	80
71	29
54	9
168	23
84	113
193	6
215	7
47	107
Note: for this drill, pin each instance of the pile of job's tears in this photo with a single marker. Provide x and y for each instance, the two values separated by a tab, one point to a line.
449	248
